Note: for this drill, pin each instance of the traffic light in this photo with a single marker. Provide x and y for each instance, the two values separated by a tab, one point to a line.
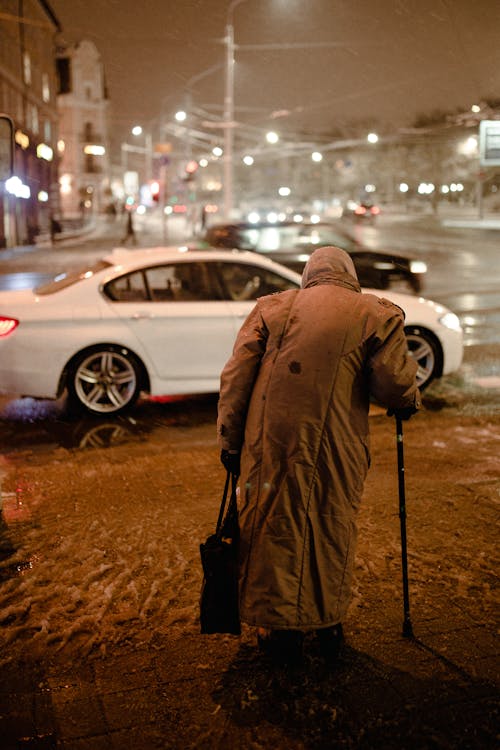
154	188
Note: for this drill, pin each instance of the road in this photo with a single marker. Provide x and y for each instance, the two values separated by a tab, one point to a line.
463	268
464	274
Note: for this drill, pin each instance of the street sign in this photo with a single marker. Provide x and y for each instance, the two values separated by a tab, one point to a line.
489	143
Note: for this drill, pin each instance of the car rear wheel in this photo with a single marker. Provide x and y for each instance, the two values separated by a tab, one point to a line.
105	380
426	351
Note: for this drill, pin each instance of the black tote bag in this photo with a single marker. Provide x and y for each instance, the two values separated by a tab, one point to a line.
219	610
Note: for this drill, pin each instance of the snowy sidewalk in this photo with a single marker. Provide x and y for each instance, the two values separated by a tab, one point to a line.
99	639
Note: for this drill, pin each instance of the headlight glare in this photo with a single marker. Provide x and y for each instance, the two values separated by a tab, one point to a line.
418	266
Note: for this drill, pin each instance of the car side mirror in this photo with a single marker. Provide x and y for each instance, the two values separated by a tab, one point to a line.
6	147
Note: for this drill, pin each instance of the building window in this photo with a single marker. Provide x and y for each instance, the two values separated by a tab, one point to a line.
27	68
64	74
88	132
88	92
35	124
45	87
47	131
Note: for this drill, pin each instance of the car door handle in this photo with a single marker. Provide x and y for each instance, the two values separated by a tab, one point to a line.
142	316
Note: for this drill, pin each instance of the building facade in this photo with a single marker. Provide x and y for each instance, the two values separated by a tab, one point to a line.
83	105
28	94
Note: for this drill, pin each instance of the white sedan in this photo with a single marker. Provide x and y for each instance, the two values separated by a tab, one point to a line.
163	321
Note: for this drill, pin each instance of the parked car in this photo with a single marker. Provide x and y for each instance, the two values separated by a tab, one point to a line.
291	243
163	321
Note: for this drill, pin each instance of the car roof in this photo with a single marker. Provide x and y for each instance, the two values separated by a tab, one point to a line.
130	259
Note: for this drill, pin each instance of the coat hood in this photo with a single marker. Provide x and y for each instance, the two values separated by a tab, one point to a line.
330	265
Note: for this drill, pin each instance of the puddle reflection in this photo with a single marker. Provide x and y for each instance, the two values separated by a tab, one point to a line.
31	424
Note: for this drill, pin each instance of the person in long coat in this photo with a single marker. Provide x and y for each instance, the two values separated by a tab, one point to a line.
294	402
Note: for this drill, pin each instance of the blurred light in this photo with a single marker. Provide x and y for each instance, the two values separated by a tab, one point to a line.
468	147
168	210
203	162
272	137
370	188
22	139
298	217
272	217
476	108
88	204
372	138
136	130
213	186
141	209
16	186
284	191
426	188
316	156
94	150
61	146
445	189
315	218
44	152
403	187
129	201
282	216
65	183
180	116
253	217
248	160
191	166
43	196
418	266
211	208
217	151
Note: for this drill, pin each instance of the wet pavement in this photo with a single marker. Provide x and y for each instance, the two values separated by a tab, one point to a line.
100	578
124	665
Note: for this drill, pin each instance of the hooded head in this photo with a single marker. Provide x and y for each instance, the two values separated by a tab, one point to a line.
330	265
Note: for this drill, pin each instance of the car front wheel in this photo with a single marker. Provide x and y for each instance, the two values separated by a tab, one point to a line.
105	380
426	351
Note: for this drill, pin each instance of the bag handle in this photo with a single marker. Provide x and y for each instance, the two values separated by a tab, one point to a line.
232	501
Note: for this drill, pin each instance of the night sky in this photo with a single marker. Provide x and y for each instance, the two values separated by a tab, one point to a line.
396	59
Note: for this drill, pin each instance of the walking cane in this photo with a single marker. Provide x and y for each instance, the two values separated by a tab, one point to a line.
407	626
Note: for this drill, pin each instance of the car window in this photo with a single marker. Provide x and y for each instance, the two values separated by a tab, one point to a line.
243	281
179	282
130	287
63	280
174	282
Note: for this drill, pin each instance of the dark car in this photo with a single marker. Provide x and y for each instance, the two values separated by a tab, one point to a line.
291	244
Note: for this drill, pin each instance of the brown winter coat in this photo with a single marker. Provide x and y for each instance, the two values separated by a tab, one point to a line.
294	398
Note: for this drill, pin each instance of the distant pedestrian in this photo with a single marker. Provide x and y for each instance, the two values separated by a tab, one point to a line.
55	228
294	401
129	230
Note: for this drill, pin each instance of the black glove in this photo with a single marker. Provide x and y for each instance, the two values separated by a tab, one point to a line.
231	461
403	414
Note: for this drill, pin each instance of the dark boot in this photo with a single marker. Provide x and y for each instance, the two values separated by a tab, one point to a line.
284	647
330	643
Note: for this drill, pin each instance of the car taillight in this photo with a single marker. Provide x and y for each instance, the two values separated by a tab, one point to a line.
7	325
375	210
360	210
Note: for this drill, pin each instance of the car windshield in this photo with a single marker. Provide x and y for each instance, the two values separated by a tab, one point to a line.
63	280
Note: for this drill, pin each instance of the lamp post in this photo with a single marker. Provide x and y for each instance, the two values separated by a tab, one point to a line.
228	122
